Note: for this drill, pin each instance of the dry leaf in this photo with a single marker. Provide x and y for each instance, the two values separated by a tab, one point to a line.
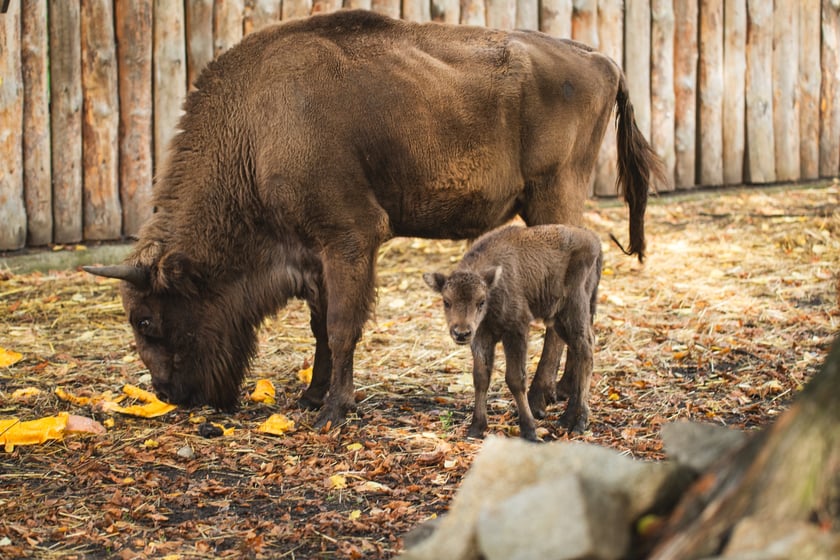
337	481
277	424
264	392
9	357
25	393
305	375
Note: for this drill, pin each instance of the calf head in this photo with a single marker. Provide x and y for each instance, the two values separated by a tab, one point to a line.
465	295
193	340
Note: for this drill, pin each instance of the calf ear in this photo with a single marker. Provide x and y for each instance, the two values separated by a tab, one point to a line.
491	276
435	280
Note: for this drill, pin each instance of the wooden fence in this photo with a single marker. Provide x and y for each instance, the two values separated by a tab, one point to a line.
728	91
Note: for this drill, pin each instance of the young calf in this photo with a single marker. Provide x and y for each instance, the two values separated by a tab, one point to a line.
509	277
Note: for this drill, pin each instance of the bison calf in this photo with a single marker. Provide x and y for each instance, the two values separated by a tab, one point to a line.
509	277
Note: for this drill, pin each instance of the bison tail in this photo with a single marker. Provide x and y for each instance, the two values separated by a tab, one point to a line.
638	166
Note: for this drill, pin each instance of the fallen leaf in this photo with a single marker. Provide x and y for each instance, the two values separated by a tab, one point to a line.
354	446
337	481
25	393
9	357
277	424
305	375
355	514
264	392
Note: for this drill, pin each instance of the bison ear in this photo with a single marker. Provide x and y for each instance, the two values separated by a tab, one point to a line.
174	271
139	276
491	276
435	280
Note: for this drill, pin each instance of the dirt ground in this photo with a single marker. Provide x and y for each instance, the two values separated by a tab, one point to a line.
728	318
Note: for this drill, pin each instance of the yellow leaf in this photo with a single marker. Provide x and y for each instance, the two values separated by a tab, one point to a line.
264	392
151	444
277	424
338	481
305	375
9	357
25	393
109	422
614	396
354	446
355	514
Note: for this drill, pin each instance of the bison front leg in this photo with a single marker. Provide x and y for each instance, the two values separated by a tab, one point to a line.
516	348
482	352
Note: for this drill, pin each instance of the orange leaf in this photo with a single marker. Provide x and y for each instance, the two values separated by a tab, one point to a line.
9	357
264	392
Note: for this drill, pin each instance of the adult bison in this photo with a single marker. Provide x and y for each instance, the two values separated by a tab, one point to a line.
312	142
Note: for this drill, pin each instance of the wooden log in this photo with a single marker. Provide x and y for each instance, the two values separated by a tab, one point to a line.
12	205
199	29
446	11
809	89
390	8
358	4
325	6
37	180
501	14
734	102
585	22
829	104
472	12
417	10
662	96
710	88
527	14
637	59
761	167
611	40
170	79
786	89
556	18
227	24
297	8
66	119
100	122
258	14
134	57
685	94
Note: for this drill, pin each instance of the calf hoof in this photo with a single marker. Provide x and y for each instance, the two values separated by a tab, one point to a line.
537	404
529	435
476	431
332	416
575	419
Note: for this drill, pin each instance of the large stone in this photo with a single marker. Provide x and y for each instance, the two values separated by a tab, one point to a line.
698	446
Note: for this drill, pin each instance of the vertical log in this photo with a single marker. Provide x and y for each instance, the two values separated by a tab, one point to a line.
100	122
637	59
325	6
829	104
611	39
734	103
556	17
134	55
527	14
685	93
227	24
388	7
66	119
12	206
36	123
417	10
199	28
472	12
299	8
662	96
170	77
358	4
446	11
501	14
710	80
761	167
585	22
809	89
259	13
786	89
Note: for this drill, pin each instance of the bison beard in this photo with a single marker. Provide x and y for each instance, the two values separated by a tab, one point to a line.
312	142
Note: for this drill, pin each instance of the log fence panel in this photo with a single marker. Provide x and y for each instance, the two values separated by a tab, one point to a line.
727	91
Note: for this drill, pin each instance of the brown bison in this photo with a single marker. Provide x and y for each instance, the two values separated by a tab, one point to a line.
312	142
510	277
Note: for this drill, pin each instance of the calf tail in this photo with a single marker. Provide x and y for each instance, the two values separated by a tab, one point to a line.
638	165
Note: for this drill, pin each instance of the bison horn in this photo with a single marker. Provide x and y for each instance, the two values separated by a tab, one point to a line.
139	276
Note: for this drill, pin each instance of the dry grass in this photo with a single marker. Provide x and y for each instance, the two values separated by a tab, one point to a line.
730	315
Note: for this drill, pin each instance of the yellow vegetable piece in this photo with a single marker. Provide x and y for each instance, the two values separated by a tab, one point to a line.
338	481
153	407
355	514
277	424
9	357
305	375
354	446
264	392
14	432
25	393
71	398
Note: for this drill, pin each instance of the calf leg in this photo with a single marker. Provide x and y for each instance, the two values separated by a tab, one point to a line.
516	348
573	325
482	352
313	397
542	391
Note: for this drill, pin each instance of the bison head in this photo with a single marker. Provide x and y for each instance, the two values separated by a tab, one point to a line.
192	337
465	295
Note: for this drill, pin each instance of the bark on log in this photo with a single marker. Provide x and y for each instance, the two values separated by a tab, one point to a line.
388	7
169	74
100	122
788	473
199	28
12	206
501	14
446	11
37	182
358	4
556	17
134	53
829	104
66	119
761	167
416	10
685	94
662	96
325	6
734	103
710	87
301	8
585	22
809	89
227	24
261	13
527	14
637	59
473	12
786	89
610	37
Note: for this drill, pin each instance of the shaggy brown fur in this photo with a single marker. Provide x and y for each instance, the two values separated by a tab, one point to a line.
310	143
510	277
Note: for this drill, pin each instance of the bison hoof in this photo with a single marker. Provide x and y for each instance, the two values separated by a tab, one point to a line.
332	416
476	431
564	389
307	403
529	435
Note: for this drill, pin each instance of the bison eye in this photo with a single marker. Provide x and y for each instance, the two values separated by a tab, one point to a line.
143	324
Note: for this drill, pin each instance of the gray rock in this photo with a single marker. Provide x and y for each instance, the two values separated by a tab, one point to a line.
698	446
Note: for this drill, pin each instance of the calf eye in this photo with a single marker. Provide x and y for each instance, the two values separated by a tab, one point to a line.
481	305
446	304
